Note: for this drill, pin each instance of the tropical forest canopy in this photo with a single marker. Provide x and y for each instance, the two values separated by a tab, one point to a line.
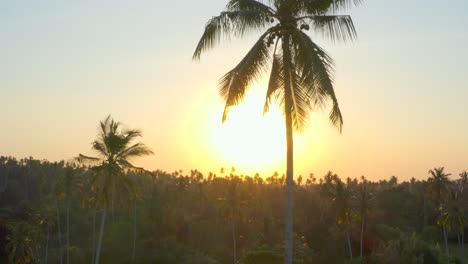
189	217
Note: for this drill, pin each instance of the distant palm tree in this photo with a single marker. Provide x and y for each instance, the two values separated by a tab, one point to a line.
364	197
66	187
439	186
341	196
463	178
115	150
301	71
439	183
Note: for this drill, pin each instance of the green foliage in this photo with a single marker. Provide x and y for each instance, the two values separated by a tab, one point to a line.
186	218
410	249
430	234
262	257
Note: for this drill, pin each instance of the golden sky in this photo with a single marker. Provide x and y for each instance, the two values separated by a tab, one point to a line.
67	65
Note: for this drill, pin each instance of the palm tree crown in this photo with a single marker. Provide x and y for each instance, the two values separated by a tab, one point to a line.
297	62
439	182
115	150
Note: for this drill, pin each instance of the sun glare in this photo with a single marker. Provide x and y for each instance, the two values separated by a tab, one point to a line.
250	140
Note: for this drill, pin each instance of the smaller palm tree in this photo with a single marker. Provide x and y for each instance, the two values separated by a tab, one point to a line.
341	195
439	182
439	187
463	178
115	151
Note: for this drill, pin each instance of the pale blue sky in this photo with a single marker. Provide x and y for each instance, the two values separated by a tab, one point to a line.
67	64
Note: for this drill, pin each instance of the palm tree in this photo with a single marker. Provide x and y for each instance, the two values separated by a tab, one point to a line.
301	71
463	178
115	151
341	196
439	184
364	197
66	186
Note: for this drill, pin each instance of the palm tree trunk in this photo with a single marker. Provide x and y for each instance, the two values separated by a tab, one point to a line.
445	240
47	244
94	236
112	203
68	231
362	233
463	243
134	231
349	245
101	234
234	244
59	232
289	236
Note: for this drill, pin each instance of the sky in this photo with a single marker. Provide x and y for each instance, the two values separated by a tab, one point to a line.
65	65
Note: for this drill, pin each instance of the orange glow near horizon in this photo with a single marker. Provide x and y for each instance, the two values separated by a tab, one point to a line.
248	140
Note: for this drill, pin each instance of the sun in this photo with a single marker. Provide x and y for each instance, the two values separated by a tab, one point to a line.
249	140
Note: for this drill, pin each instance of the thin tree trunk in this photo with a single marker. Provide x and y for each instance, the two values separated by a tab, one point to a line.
234	244
289	235
47	244
349	245
463	243
68	231
445	240
101	234
215	235
112	203
458	240
94	236
362	233
134	231
424	212
59	233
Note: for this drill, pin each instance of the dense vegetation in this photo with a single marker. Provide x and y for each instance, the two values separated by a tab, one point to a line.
49	214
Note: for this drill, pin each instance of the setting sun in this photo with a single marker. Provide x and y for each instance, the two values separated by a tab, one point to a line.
249	139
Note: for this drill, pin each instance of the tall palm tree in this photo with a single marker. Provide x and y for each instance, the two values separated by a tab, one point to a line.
115	150
67	185
364	197
439	186
301	76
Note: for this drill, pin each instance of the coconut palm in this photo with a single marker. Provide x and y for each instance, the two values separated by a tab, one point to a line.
439	186
341	195
115	151
66	187
463	178
301	76
438	182
364	197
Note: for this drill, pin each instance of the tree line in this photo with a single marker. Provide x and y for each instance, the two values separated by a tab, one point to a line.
51	212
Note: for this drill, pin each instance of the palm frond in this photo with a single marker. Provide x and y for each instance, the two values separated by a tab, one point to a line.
136	150
252	5
275	83
83	158
125	163
301	105
236	22
232	86
338	5
100	148
335	28
316	69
